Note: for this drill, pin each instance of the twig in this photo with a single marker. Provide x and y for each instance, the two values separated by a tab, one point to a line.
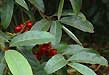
98	67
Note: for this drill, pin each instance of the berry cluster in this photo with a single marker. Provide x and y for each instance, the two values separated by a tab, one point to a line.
45	49
24	27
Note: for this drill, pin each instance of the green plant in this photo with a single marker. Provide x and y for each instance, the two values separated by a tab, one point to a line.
18	43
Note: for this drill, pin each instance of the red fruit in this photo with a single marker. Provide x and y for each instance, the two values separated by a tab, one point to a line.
29	24
52	52
47	46
22	26
44	48
18	29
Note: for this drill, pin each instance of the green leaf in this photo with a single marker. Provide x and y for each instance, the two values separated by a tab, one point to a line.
1	56
3	36
82	69
22	3
42	25
40	69
69	13
41	72
38	4
79	23
17	63
55	63
60	8
27	53
85	57
76	5
2	43
74	49
61	47
82	16
30	15
56	30
71	35
6	13
31	38
36	66
2	67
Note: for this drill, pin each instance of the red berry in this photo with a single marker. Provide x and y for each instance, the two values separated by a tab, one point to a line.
52	52
44	48
18	29
22	25
38	55
29	24
47	46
